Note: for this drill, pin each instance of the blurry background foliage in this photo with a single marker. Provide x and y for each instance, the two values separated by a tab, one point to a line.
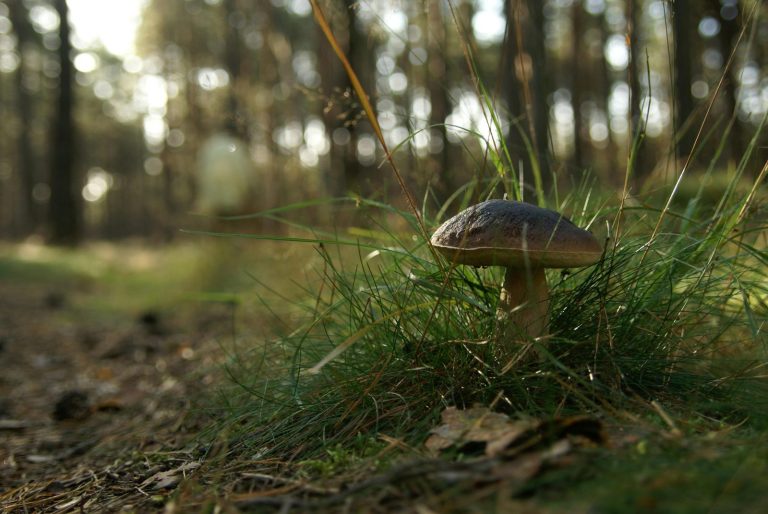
109	128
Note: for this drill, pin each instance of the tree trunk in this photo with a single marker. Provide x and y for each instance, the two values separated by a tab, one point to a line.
26	165
439	164
526	21
272	191
728	35
236	122
682	22
539	82
637	166
334	82
64	213
511	90
577	78
360	58
611	157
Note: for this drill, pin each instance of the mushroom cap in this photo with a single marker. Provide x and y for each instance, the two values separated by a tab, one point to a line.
508	233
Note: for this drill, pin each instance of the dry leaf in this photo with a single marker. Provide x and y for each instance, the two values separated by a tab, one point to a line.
498	432
170	478
476	425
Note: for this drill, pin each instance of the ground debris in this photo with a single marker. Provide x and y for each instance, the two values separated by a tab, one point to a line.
514	453
79	432
74	450
169	478
72	405
476	425
498	432
14	424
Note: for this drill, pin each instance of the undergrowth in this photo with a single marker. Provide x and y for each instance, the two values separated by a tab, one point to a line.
673	315
396	336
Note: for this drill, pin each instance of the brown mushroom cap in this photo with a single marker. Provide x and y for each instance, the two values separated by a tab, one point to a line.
508	233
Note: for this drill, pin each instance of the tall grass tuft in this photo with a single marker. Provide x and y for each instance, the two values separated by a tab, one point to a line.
674	313
392	336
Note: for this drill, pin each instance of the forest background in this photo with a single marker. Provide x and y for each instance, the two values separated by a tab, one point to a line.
103	142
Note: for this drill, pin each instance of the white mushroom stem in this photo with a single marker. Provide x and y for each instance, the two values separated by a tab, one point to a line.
524	305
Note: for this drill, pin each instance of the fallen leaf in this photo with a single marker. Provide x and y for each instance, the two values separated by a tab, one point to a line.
476	425
498	433
170	478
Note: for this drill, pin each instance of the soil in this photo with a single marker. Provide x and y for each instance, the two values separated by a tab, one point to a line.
95	413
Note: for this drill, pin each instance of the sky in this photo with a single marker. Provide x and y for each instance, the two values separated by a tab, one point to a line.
113	23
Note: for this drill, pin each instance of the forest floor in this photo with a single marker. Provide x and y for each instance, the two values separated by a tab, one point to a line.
107	355
104	361
95	388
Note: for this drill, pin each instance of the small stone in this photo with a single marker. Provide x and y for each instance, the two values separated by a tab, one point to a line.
151	322
72	405
54	300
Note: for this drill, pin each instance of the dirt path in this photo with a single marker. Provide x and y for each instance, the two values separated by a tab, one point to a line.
94	415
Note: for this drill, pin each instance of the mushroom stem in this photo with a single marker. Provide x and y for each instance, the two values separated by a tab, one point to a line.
523	306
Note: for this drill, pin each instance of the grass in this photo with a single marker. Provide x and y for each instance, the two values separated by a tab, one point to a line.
668	342
719	473
666	333
669	329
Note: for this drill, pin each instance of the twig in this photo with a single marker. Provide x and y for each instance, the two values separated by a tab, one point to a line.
287	481
666	418
448	471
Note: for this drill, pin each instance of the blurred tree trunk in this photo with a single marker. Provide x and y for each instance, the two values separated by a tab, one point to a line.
682	22
161	205
526	20
439	165
461	76
236	121
729	32
273	179
26	165
64	213
360	58
539	82
169	224
511	88
578	54
342	111
414	181
638	166
634	66
611	156
334	83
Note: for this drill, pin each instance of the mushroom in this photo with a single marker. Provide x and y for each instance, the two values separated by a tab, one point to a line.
525	239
